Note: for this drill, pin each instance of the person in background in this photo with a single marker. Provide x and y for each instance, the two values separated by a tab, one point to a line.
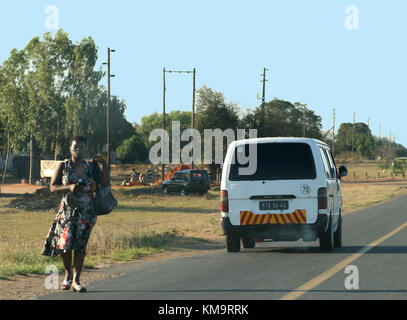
133	176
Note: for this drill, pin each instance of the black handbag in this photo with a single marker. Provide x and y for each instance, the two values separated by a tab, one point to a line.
104	200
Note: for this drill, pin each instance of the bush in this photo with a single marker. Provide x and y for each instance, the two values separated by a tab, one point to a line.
132	150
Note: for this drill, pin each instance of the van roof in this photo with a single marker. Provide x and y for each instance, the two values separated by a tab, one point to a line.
279	139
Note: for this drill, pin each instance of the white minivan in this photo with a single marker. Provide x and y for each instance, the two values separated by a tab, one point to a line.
281	189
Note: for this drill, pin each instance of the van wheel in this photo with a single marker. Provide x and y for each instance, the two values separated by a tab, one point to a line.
248	243
326	239
338	234
183	192
165	190
232	244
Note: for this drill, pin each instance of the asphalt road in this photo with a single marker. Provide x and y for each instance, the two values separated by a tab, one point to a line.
374	242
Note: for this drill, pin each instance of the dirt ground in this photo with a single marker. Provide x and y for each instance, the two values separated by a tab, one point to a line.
18	188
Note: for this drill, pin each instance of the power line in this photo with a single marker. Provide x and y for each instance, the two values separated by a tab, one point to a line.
163	118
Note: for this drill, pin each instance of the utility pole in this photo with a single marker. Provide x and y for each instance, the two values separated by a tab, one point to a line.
108	106
193	108
163	126
380	130
263	102
31	159
353	138
333	132
390	140
304	108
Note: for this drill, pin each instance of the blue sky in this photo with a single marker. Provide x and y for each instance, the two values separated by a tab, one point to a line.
312	58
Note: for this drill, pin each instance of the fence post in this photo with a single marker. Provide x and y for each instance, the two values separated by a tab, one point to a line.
365	175
354	175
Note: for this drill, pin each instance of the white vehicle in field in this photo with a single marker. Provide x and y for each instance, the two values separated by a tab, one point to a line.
293	193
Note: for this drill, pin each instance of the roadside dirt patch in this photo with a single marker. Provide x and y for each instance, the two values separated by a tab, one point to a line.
41	199
18	188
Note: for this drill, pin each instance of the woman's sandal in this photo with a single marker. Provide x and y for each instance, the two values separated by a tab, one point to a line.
78	288
66	285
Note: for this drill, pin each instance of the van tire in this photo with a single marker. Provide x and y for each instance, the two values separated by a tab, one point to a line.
165	190
232	244
326	239
248	243
338	234
183	192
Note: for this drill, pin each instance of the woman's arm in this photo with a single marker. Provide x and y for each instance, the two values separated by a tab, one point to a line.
56	182
105	175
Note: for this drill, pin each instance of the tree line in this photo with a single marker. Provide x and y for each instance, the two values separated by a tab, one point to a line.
354	141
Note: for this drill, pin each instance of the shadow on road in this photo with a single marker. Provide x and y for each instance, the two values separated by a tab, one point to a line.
193	243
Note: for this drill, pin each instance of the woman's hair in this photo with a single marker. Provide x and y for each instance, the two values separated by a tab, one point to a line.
78	139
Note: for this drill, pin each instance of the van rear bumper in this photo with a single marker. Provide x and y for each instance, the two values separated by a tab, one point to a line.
277	232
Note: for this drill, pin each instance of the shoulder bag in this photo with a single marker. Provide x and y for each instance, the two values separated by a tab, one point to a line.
104	201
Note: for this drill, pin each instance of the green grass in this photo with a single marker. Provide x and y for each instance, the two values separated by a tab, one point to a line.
24	262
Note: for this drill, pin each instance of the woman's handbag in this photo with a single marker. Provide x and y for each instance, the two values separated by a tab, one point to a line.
104	200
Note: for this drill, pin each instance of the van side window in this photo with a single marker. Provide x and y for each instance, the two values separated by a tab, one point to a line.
331	163
325	162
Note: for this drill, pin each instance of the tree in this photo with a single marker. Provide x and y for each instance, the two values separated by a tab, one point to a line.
363	142
50	91
154	121
213	112
13	103
283	119
132	150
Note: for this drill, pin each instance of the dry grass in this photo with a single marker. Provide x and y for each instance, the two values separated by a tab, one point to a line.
373	170
359	195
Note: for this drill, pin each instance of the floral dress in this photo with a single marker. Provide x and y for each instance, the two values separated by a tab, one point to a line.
75	217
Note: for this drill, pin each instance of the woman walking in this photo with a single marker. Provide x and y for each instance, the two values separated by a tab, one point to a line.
76	216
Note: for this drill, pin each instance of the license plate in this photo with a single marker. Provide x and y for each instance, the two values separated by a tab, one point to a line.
273	205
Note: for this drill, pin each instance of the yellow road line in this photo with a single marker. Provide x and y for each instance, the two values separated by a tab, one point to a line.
338	267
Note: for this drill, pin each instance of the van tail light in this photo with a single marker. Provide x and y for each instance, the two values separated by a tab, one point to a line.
224	201
322	198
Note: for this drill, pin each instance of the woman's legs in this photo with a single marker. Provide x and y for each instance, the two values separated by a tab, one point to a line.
79	257
67	263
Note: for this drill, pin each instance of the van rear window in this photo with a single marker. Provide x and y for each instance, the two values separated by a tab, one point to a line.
276	161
